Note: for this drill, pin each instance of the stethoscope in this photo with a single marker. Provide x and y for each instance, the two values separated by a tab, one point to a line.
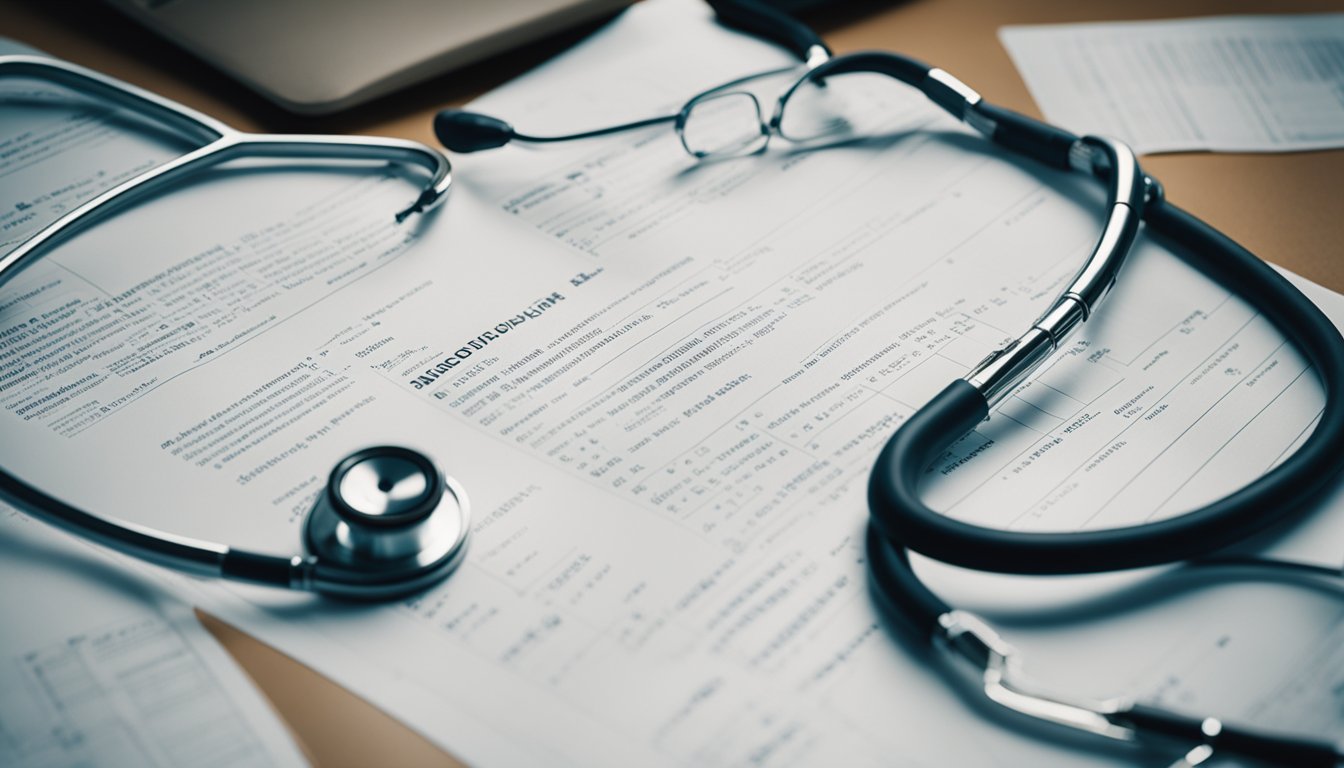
899	520
389	523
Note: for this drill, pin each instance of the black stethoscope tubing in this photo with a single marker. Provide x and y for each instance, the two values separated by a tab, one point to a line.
901	522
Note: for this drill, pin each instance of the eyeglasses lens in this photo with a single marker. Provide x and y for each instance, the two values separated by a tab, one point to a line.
724	125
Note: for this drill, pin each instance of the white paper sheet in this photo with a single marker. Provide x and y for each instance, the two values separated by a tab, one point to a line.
98	664
1229	84
101	666
662	385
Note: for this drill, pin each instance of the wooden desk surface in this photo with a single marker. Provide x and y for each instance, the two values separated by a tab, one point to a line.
1289	208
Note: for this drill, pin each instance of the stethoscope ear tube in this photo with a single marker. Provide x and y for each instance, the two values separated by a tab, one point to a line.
896	584
894	485
906	521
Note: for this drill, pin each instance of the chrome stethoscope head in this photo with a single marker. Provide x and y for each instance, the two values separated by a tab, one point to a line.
390	523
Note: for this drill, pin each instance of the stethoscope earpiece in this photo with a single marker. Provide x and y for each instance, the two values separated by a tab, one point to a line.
462	131
389	521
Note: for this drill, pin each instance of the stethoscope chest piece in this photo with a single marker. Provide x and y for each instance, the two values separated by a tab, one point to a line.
391	516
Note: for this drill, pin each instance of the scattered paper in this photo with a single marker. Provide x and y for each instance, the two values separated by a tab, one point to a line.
662	384
1228	84
100	666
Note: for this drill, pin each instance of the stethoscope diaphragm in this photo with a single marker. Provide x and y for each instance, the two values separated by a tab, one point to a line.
389	514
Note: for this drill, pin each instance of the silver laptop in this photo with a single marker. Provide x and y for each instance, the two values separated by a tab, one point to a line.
318	56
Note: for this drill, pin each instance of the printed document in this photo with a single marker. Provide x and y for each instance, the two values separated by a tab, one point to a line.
101	666
1228	84
662	384
98	664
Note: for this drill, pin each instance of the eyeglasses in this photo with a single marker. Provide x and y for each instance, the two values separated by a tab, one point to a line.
730	120
822	101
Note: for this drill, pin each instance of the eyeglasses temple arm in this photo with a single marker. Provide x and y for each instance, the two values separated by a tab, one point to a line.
463	131
600	131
